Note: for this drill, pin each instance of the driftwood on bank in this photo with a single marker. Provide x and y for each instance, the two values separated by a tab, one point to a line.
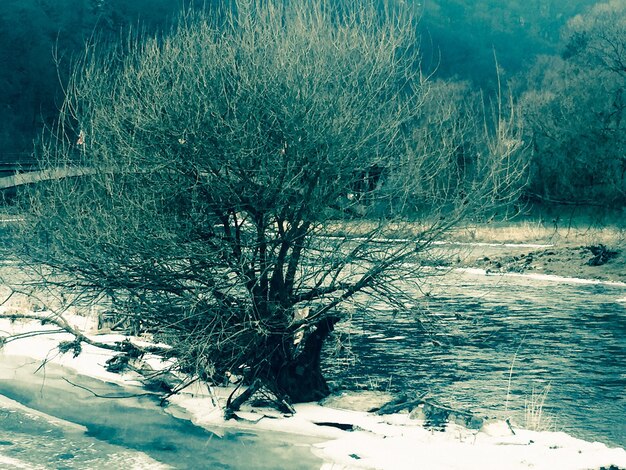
234	404
396	405
432	413
125	346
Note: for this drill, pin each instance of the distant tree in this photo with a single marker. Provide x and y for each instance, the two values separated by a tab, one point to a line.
38	39
458	140
576	111
27	75
220	206
459	36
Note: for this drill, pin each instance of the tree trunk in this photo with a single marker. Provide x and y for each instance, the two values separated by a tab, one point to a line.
301	379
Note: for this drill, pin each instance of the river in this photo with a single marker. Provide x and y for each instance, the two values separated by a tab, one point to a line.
489	342
482	342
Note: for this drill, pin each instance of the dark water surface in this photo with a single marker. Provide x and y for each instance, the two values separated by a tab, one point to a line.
466	337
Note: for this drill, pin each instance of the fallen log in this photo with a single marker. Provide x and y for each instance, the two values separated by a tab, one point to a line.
434	415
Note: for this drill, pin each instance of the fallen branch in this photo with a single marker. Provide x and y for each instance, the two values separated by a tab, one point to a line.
234	405
178	389
433	413
125	346
396	405
134	395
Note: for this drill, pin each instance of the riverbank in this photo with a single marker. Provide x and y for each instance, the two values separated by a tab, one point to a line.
583	246
580	247
593	262
359	439
345	435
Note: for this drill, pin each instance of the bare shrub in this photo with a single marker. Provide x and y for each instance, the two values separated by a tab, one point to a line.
222	156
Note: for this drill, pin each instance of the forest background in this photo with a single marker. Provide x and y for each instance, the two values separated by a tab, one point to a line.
563	62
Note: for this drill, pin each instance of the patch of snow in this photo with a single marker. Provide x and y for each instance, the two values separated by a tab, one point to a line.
457	449
17	464
397	442
541	277
393	338
43	347
475	271
496	428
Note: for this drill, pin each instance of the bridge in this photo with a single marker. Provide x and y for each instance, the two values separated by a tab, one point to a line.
19	174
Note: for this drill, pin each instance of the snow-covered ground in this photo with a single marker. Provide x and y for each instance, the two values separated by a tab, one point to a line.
372	441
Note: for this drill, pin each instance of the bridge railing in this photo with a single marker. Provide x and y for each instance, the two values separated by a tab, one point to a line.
36	176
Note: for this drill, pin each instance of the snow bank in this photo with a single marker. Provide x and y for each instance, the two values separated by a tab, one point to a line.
398	442
457	448
437	242
541	277
43	347
347	439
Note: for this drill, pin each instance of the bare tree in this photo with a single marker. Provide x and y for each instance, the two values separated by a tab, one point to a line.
575	111
225	205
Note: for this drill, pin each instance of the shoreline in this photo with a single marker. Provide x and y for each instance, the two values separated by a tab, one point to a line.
345	438
592	263
540	276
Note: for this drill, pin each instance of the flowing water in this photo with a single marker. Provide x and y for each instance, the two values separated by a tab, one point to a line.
491	343
488	343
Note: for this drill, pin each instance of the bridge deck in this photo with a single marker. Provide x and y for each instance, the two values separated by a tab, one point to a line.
29	177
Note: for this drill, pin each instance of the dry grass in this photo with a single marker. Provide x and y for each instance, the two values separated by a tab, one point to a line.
535	418
558	226
529	232
470	232
581	231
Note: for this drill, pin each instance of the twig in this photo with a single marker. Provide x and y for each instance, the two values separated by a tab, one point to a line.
29	334
146	394
178	389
